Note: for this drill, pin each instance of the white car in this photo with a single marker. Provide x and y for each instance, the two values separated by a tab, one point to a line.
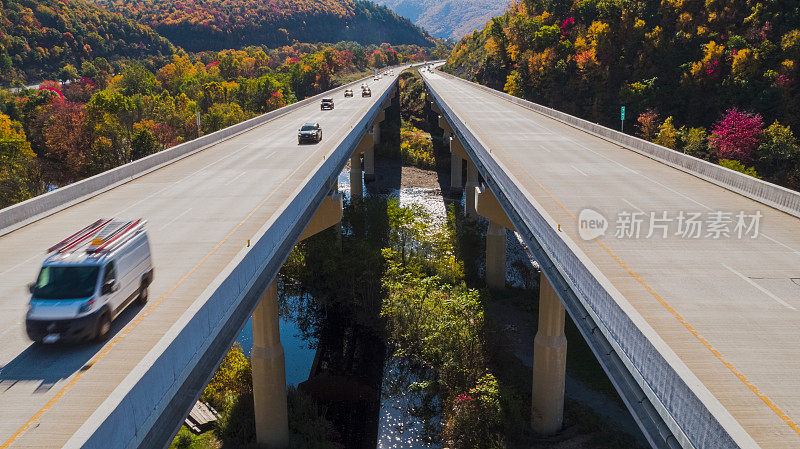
87	280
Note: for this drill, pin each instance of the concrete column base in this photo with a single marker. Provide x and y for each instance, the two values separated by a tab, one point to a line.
496	256
356	186
549	363
269	374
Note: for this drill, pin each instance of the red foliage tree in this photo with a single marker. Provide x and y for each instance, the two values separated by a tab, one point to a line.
648	124
736	136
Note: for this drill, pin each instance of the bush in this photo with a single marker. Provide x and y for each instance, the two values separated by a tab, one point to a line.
695	142
416	147
738	166
476	417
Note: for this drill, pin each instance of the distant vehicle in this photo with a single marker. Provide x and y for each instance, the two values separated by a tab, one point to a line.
377	78
348	93
366	92
309	132
87	280
327	103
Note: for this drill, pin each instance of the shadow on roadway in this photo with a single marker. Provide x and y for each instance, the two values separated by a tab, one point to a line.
49	364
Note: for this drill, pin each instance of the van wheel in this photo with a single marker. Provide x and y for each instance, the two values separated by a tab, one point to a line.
144	294
103	327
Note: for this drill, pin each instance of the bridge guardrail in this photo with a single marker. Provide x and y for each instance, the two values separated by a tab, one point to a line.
639	363
781	198
28	211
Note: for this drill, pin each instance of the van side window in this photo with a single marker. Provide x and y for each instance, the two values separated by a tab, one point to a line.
110	273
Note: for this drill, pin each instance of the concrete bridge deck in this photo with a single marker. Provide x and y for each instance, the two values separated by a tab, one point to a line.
724	312
202	212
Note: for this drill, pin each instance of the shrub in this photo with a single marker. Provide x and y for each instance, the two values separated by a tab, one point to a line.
476	417
232	379
416	147
738	166
695	142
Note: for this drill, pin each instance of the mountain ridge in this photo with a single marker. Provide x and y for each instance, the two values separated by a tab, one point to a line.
448	19
199	25
40	37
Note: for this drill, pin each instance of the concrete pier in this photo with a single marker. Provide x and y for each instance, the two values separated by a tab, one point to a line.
549	363
269	374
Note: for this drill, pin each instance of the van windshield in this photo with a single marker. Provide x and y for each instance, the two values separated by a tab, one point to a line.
66	282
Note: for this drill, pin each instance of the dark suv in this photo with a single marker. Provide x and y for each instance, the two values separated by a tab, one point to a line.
309	132
327	103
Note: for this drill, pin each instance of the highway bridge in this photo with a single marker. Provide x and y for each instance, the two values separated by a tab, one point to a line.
223	213
696	331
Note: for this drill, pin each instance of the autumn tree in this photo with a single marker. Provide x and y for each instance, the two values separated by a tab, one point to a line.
648	124
736	136
778	151
17	164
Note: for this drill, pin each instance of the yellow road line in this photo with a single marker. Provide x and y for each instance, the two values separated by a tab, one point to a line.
718	355
123	333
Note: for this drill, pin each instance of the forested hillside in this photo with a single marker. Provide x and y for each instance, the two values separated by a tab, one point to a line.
448	19
61	133
714	78
39	38
198	25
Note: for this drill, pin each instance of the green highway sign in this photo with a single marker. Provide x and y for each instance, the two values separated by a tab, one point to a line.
622	113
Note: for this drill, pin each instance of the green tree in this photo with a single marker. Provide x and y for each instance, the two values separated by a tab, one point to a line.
222	115
695	142
143	144
68	73
17	164
777	153
137	80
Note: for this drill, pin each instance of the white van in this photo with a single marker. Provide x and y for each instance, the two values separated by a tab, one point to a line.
87	280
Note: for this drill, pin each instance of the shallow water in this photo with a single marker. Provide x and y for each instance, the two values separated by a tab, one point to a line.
296	351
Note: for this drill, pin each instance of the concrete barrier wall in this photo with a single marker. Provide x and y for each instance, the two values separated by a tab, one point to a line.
152	395
693	417
18	215
764	192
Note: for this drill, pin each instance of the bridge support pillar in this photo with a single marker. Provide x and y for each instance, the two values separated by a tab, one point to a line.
369	164
456	164
549	363
457	154
356	187
488	206
470	209
376	132
269	374
376	126
496	256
